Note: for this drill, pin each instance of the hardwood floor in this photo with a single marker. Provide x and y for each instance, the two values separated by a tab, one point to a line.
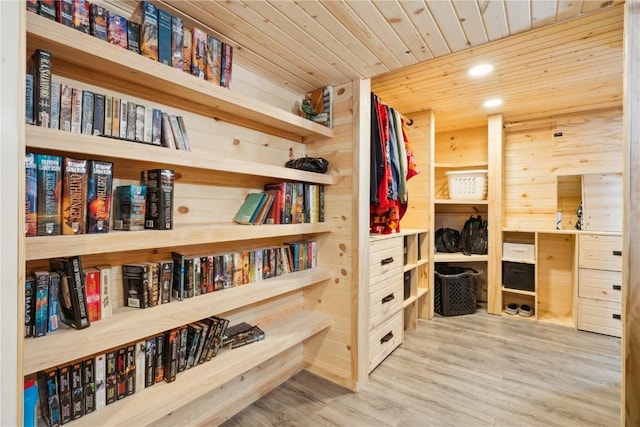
473	370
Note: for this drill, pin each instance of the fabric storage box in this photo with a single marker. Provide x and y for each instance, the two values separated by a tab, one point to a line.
471	184
516	275
455	290
519	251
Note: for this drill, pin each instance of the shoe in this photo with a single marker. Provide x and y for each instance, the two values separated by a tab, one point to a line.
511	308
525	311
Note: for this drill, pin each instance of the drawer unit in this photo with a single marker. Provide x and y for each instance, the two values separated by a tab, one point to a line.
385	257
385	338
603	317
386	299
523	252
600	284
600	252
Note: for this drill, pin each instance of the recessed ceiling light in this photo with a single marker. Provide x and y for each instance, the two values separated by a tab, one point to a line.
492	102
480	70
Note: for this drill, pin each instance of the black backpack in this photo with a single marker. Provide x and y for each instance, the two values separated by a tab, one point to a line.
447	240
473	239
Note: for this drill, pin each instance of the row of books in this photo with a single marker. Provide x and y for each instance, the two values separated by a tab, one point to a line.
283	203
151	31
148	205
61	106
66	196
317	106
70	391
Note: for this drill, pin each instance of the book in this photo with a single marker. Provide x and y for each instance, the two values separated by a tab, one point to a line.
133	36
99	183
41	317
214	60
252	202
40	67
177	43
73	301
48	396
32	6
221	329
100	379
204	333
135	285
106	306
153	283
189	290
156	127
141	368
196	275
159	363
77	390
89	384
49	200
138	132
186	49
228	270
237	269
150	362
131	121
74	196
261	217
54	301
121	373
65	12
321	103
166	280
226	65
55	106
148	125
81	16
164	37
87	113
178	282
124	113
159	209
236	332
64	393
47	8
183	131
29	306
130	369
218	273
66	100
167	133
193	340
172	347
256	334
198	52
208	263
285	201
130	207
98	18
148	14
31	195
28	100
76	110
117	30
177	133
108	115
99	111
111	383
92	284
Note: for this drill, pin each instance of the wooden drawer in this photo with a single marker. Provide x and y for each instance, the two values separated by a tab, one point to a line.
600	316
518	251
600	284
385	257
600	252
386	299
384	339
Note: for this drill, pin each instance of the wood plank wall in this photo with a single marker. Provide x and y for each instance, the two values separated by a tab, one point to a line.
421	133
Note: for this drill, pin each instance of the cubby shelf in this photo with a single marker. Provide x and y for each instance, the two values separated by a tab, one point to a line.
131	324
518	291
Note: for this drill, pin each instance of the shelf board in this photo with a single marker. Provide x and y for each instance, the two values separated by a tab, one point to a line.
567	231
422	292
172	85
519	260
130	324
517	316
556	320
89	146
153	403
461	202
519	291
423	262
406	303
459	257
45	247
461	165
408	267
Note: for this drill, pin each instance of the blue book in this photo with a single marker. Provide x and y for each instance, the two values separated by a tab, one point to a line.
29	118
164	37
54	301
42	303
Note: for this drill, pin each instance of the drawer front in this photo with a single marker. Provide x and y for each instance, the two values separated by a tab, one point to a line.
387	299
385	256
384	339
519	251
603	317
600	284
600	252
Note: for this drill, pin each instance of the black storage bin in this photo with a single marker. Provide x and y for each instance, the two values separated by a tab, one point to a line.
455	290
517	275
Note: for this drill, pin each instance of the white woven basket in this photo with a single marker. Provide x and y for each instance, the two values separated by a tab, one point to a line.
469	184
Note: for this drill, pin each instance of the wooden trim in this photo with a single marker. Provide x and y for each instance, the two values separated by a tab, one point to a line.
494	264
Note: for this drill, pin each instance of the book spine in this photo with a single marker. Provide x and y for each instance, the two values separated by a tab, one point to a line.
167	134
214	60
133	36
108	115
89	381
198	52
204	332
55	106
48	196
81	16
111	377
76	110
78	293
49	397
92	283
154	283
28	101
32	6
99	186
177	42
117	30
74	196
182	350
29	306
98	22
77	391
177	133
66	102
121	373
183	131
65	12
193	338
178	276
54	302
237	269
31	195
138	130
166	279
226	65
164	37
99	112
101	381
189	288
141	365
210	273
87	113
156	127
41	320
130	207
47	8
123	118
149	31
196	276
40	67
171	354
150	362
131	370
134	281
186	49
321	203
64	390
218	271
148	125
131	121
159	214
160	357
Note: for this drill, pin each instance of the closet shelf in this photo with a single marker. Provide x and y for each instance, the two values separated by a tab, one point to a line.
132	324
82	56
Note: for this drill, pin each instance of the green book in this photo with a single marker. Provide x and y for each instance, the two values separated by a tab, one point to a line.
250	205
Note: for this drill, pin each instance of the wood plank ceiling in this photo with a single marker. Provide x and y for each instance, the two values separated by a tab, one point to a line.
417	51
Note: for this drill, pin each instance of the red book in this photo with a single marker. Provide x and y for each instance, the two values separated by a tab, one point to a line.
273	216
92	283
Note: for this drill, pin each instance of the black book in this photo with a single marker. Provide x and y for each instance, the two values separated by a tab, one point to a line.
98	21
166	280
189	289
214	329
236	332
64	391
183	350
172	346
164	37
254	335
135	279
65	12
48	396
111	377
159	357
73	303
77	391
208	339
89	382
193	341
28	101
40	67
159	213
150	362
121	373
98	114
131	369
29	306
133	36
178	287
47	8
220	333
204	335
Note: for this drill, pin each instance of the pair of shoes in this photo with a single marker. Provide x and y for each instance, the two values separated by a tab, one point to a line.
523	310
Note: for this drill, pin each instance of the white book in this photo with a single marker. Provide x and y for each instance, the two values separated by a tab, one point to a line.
100	376
106	305
141	347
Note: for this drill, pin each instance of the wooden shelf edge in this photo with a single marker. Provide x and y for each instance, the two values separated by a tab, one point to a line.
408	267
519	261
461	202
59	141
518	291
567	231
460	165
423	262
517	316
459	257
406	303
155	402
422	292
76	47
66	345
45	247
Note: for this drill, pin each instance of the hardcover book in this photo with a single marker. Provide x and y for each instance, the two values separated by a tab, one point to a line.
66	100
55	105
40	67
198	52
81	16
99	186
226	65
98	21
252	202
92	283
49	398
73	304
76	110
285	201
187	41
117	30
106	307
41	320
135	285
214	60
31	195
47	8
89	383
164	37
148	13
64	392
101	380
49	194
28	100
111	377
77	391
54	301
29	306
130	207
74	196
65	12
133	36
99	111
177	43
87	113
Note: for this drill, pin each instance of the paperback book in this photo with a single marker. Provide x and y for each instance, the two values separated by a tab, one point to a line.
49	194
99	186
74	196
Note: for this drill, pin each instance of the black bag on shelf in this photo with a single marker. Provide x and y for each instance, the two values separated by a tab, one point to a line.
447	240
473	239
309	164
